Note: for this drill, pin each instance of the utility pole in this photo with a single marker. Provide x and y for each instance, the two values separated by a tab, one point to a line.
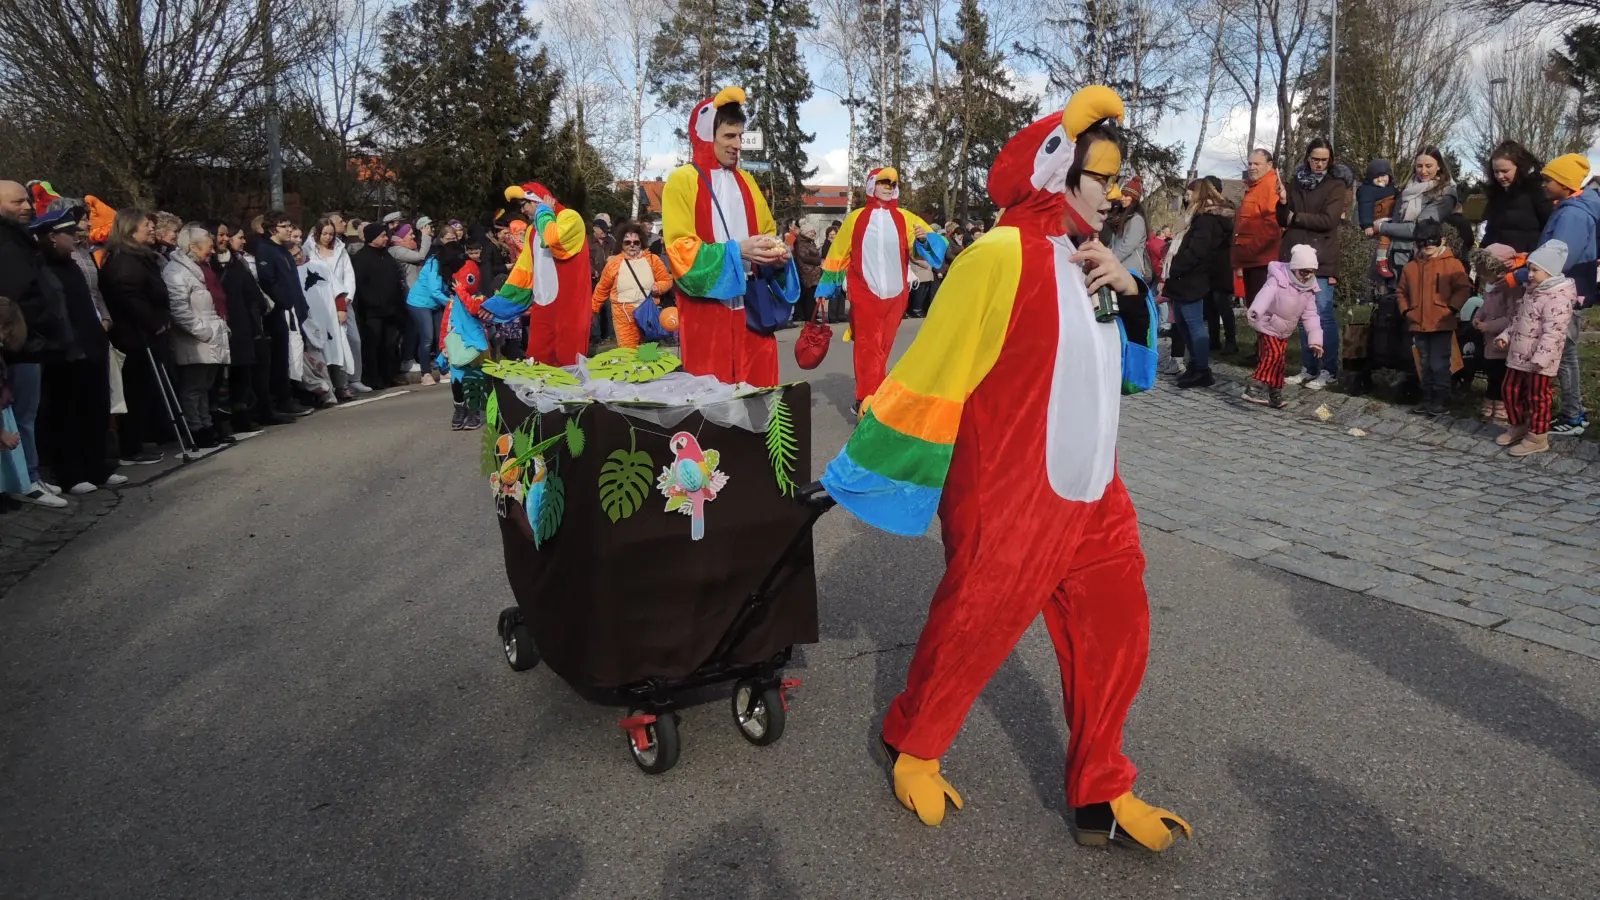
1333	83
274	148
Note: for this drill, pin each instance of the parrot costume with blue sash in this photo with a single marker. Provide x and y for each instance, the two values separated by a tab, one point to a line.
871	255
706	210
1002	417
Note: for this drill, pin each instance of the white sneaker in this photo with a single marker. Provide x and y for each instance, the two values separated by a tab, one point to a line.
49	487
413	366
81	488
1300	378
38	496
428	379
115	480
1320	382
360	388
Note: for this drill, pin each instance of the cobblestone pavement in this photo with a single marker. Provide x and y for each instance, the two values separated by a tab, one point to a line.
1418	514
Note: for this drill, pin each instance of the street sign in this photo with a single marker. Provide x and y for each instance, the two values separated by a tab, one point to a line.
753	140
755	165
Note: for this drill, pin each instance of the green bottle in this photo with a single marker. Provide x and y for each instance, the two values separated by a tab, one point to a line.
1105	305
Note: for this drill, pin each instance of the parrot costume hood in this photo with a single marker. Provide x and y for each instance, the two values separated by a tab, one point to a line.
1002	418
702	126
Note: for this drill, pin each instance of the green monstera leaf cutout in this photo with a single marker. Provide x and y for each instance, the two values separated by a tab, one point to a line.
529	370
625	480
645	363
555	506
781	447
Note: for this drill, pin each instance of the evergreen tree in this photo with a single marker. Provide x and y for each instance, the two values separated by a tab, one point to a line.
464	107
989	109
1579	68
700	50
779	88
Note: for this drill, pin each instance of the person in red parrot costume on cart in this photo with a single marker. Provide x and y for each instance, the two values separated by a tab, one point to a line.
1002	417
716	225
550	280
872	256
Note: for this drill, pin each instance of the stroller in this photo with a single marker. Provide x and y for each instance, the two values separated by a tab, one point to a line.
625	605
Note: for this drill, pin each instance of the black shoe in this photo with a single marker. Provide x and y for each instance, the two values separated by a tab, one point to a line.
1438	409
205	439
1196	378
855	409
141	459
294	408
1230	348
1421	409
278	419
458	419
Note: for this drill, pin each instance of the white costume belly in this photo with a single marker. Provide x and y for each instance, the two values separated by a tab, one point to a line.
1085	390
731	225
883	258
545	281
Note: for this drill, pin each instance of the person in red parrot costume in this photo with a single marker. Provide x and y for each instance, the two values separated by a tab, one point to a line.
551	278
716	224
872	255
1002	417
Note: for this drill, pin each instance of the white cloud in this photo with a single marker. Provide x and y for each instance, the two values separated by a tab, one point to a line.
657	165
833	167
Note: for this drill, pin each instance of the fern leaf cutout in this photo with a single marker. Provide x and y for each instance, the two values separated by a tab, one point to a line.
574	438
781	447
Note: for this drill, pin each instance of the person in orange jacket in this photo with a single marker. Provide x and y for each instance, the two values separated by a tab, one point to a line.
1257	238
631	277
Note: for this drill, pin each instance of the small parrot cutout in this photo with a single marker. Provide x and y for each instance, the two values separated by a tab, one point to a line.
533	502
691	481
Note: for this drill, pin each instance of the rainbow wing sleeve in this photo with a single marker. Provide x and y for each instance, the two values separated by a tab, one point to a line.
564	232
892	472
702	269
838	260
514	297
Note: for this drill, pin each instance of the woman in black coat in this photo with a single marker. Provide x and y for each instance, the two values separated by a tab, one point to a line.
136	296
1517	207
1205	241
249	344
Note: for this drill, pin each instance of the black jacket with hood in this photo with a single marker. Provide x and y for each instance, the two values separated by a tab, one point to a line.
1515	215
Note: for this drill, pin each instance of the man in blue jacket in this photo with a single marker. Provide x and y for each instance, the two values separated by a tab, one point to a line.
1575	222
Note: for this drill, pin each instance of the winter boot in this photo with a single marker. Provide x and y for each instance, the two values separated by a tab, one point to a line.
1257	393
1533	443
1512	435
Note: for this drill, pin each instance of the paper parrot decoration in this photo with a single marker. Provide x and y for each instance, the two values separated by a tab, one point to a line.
691	481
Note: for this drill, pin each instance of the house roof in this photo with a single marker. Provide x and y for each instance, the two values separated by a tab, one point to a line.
818	197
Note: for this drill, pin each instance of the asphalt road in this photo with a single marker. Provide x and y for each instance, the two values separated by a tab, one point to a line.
279	677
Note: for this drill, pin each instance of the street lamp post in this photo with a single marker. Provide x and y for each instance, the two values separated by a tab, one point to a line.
1496	122
1333	82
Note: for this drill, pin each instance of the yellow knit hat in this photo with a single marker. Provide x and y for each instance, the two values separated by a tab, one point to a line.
1569	171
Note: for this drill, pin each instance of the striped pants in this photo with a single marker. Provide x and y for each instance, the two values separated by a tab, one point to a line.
1528	400
1274	353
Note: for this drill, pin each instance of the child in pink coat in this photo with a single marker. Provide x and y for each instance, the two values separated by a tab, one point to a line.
1533	346
1500	300
1287	301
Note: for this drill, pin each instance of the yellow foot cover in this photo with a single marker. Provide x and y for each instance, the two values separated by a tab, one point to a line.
922	789
1150	825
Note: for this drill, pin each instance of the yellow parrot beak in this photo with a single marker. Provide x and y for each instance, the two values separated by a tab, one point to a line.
1089	106
889	174
515	192
1115	193
728	95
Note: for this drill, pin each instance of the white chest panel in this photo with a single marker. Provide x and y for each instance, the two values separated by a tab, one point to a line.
883	262
732	225
1085	390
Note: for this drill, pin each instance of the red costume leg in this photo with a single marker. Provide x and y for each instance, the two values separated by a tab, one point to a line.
1099	620
705	340
758	356
874	324
542	334
576	317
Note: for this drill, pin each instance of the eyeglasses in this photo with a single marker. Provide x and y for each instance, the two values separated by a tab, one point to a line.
630	243
1106	181
1319	159
885	183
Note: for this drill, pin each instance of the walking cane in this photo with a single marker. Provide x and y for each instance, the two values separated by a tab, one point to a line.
169	401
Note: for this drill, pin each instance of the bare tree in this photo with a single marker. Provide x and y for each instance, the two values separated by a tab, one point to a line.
144	86
1242	56
838	37
1519	96
337	72
1214	21
609	50
1289	25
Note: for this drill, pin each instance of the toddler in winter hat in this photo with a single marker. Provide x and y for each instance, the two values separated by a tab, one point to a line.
1551	258
1302	257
